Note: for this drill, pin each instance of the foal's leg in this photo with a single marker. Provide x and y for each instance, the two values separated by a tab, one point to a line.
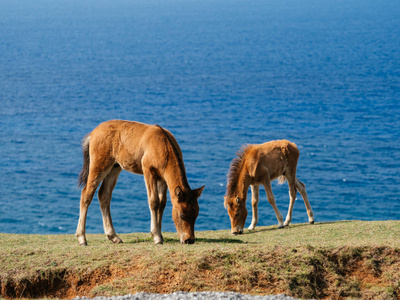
292	194
87	194
255	191
162	195
271	200
302	189
104	194
154	205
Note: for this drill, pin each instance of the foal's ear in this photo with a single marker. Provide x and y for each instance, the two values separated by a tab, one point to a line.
179	193
198	191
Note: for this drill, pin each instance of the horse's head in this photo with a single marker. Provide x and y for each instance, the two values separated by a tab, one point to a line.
184	213
237	212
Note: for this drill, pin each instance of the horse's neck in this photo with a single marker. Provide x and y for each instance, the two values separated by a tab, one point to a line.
175	175
243	185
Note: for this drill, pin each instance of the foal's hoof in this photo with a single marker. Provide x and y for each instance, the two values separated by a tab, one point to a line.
115	239
158	241
281	226
311	222
82	241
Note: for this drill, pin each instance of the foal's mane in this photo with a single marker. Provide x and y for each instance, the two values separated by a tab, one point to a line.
234	170
172	142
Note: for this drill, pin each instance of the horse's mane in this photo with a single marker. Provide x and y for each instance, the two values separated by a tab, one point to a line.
234	170
174	145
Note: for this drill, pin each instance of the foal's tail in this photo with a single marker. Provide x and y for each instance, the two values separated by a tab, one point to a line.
281	179
83	175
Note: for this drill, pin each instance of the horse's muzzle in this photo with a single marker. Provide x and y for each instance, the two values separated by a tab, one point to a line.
188	241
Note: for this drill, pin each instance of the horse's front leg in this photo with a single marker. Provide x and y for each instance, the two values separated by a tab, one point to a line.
255	191
154	205
162	194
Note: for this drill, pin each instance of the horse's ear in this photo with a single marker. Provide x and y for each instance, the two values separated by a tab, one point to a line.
179	193
225	201
237	200
198	191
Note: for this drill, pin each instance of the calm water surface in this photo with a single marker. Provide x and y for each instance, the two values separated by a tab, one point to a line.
217	74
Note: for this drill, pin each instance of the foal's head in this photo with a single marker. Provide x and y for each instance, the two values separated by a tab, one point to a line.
185	212
234	203
237	212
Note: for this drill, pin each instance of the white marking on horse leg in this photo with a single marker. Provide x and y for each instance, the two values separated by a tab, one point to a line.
271	200
254	203
86	198
154	204
302	189
292	195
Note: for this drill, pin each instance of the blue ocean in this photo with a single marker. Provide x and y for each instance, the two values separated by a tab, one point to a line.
219	74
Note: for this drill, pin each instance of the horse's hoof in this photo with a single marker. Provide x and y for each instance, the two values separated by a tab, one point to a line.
311	222
117	240
281	226
158	241
82	241
114	238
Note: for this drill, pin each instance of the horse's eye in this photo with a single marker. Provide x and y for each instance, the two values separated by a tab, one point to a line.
182	216
236	214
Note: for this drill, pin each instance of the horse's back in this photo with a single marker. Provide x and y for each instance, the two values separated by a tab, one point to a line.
127	142
280	149
276	156
120	126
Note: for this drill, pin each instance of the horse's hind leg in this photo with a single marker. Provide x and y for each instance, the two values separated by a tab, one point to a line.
86	198
255	191
292	194
302	189
104	194
271	200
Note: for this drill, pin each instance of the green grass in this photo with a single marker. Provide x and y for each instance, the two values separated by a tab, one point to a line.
335	260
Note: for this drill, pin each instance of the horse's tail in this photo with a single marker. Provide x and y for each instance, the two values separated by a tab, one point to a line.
281	179
83	175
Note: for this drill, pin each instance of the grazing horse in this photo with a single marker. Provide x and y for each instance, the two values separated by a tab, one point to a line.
143	149
261	164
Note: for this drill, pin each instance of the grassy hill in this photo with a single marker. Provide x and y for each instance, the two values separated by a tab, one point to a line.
349	259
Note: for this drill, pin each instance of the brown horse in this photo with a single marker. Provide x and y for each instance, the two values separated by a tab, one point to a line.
261	164
143	149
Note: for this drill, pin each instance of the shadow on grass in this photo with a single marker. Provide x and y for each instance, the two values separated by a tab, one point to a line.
220	240
138	240
207	240
198	240
293	226
233	240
